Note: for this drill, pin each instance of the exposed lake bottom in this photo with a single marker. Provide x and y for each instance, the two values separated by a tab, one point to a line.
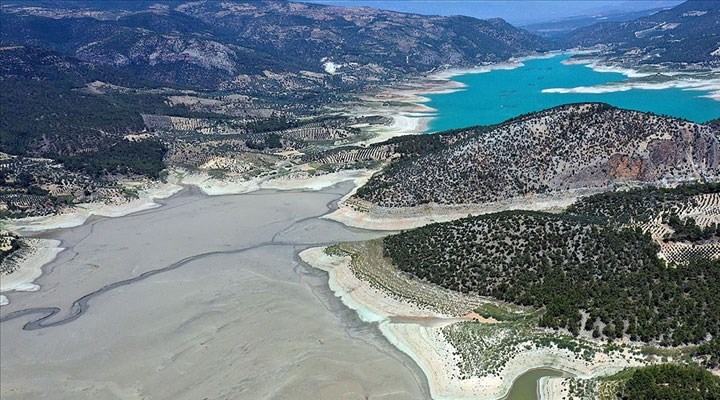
201	298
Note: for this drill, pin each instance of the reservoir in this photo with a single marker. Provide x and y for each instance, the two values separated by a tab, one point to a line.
538	84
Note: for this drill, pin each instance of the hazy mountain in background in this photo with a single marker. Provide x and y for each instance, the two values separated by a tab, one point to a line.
260	46
563	26
516	12
687	33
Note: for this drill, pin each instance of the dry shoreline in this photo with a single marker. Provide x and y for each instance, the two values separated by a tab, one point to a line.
38	253
81	212
218	187
180	179
361	214
30	261
405	103
553	388
43	251
678	80
425	343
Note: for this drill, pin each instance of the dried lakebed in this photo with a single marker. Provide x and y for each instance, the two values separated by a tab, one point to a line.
204	297
201	298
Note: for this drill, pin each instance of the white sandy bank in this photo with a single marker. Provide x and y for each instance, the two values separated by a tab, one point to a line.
513	63
409	113
681	80
217	187
413	116
29	261
361	214
599	65
712	86
214	187
371	304
404	123
553	388
81	212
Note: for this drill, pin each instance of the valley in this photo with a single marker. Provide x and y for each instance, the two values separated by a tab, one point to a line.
274	199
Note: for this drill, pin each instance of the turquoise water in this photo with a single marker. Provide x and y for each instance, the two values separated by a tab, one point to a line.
501	94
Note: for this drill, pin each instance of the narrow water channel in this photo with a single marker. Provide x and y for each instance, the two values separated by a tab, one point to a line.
525	386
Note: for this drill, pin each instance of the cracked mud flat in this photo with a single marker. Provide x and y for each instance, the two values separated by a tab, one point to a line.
201	298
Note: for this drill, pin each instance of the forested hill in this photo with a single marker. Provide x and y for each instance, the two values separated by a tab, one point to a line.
687	33
576	146
47	110
260	46
594	268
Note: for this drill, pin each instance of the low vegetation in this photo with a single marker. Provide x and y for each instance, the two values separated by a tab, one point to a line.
367	263
708	354
688	230
9	243
485	349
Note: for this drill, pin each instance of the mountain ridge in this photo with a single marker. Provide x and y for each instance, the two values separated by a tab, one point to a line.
237	42
688	33
569	147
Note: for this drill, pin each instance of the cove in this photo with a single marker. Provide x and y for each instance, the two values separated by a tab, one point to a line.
525	386
498	95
